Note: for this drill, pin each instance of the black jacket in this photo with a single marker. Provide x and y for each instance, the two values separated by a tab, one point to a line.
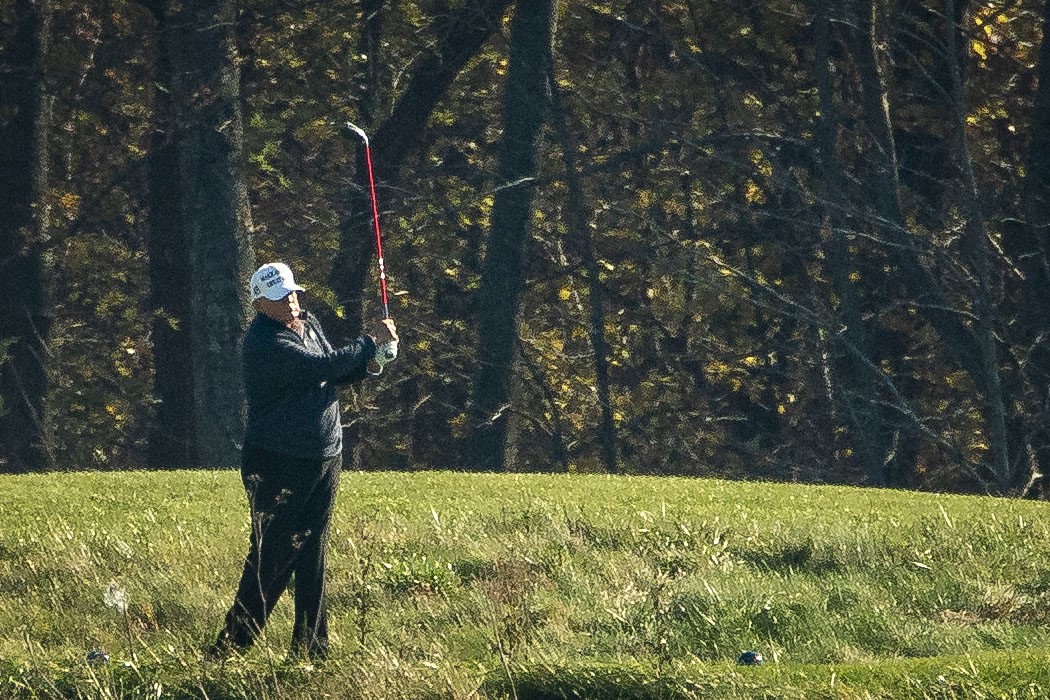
290	385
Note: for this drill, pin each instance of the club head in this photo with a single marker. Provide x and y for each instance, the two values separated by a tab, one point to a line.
359	131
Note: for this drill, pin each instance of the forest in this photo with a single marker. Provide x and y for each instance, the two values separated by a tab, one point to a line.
792	240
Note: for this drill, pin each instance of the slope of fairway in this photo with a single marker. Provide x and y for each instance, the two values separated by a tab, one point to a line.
483	585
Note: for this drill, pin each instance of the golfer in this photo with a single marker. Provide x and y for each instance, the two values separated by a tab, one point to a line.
292	458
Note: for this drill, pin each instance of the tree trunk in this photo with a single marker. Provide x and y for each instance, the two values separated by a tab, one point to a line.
199	237
974	349
503	269
369	49
886	215
580	232
976	239
25	315
877	114
1037	180
1034	311
854	378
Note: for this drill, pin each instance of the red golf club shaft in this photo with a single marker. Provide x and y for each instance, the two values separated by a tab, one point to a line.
379	237
375	215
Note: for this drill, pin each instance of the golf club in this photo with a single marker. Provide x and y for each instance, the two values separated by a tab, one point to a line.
388	349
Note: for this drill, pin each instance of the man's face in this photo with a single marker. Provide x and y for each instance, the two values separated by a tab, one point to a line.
283	310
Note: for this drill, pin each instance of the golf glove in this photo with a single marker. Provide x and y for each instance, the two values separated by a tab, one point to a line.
386	352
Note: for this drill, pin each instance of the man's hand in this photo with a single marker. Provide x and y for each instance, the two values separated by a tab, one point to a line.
385	332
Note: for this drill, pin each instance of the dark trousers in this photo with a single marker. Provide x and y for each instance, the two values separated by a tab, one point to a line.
291	507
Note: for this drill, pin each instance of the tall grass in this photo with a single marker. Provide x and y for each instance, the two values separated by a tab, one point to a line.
477	585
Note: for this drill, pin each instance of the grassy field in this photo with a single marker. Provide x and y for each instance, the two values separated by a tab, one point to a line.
454	585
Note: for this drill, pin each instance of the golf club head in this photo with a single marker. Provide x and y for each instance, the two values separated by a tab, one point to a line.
359	131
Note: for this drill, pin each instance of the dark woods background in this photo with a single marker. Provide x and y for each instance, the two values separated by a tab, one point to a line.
787	240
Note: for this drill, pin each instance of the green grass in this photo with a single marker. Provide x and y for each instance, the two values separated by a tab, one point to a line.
455	585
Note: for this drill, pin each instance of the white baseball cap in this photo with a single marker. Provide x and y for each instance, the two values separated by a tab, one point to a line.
273	281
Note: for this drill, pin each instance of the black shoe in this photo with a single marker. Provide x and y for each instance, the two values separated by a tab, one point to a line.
221	650
315	653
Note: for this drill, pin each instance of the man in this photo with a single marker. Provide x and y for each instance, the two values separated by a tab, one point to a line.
292	457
